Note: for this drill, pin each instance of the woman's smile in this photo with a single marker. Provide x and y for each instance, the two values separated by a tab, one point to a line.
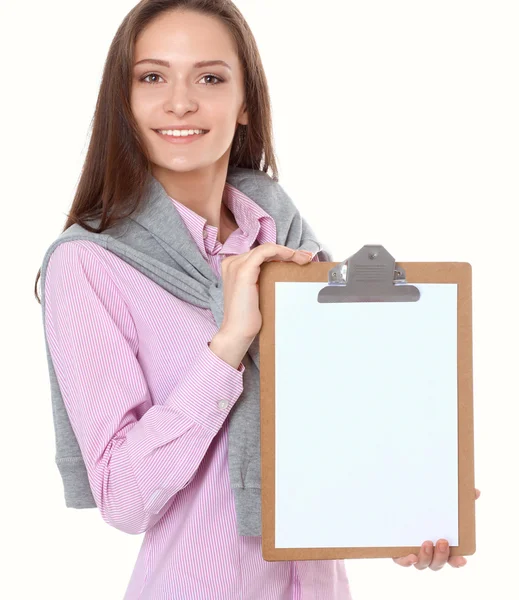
180	139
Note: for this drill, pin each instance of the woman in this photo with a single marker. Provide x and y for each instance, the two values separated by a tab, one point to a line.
148	380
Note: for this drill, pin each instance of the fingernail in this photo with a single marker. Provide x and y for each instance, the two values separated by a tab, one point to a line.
428	549
443	547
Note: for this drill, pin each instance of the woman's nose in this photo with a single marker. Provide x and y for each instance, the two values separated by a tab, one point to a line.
182	98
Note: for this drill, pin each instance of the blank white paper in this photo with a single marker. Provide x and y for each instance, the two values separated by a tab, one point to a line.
366	419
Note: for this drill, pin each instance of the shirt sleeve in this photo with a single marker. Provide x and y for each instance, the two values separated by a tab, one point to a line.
315	258
138	455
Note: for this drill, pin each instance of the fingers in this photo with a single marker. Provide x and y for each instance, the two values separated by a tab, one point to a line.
478	493
432	557
425	556
434	560
457	561
299	256
267	252
440	555
406	561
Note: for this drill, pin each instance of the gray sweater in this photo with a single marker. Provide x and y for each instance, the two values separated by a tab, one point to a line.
157	242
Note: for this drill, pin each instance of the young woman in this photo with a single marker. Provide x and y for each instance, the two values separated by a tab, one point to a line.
147	379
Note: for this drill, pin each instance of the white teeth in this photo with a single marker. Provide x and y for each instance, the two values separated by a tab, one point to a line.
180	132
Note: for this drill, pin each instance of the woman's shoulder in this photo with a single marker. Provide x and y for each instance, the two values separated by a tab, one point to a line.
80	283
82	264
84	254
76	254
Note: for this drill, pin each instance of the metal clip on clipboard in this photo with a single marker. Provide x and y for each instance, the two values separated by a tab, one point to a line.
370	277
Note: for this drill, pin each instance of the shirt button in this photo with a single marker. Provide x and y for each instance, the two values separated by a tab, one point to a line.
223	404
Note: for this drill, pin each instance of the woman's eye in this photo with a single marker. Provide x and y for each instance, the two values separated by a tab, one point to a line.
149	75
218	79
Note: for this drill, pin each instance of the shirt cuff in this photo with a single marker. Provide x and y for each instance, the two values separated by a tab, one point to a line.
207	394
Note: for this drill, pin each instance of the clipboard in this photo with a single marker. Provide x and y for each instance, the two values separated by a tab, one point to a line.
311	412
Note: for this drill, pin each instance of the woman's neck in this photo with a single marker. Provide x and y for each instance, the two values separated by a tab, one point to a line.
227	224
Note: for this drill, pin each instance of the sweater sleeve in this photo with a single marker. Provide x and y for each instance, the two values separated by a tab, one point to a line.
138	455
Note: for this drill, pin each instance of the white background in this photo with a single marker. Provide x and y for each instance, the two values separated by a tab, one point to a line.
395	123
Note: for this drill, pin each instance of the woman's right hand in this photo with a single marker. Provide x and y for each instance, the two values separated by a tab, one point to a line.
242	318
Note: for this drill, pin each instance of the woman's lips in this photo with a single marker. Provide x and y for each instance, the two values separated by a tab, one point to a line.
180	139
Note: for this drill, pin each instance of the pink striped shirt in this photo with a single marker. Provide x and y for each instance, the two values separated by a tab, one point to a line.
148	401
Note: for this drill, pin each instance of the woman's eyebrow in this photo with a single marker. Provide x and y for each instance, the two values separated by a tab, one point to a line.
165	63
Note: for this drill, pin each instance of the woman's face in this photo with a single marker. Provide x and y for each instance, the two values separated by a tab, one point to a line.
209	97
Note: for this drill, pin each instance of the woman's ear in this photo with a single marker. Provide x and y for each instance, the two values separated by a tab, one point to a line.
243	118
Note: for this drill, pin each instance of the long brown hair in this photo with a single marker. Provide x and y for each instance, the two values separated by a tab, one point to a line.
117	163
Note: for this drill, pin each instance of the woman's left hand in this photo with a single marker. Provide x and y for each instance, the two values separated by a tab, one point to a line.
434	558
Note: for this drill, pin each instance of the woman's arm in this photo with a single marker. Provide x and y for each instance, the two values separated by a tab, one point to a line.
137	455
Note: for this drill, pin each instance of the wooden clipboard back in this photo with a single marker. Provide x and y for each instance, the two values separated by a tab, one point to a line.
459	273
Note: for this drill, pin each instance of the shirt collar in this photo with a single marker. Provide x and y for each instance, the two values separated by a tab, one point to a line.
254	224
